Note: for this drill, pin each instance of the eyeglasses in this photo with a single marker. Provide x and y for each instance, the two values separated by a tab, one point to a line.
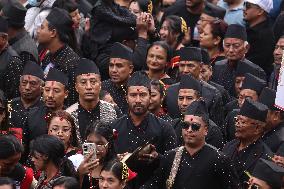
248	5
101	146
194	126
2	110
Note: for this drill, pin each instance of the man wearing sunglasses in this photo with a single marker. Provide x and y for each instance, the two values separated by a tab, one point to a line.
189	91
259	32
248	147
196	164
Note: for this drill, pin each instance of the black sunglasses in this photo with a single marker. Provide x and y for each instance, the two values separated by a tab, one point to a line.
194	126
2	110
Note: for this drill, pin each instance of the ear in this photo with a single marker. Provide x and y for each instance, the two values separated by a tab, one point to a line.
66	93
217	40
53	33
131	67
247	47
205	131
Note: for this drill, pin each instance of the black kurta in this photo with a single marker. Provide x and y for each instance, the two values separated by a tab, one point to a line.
131	137
65	60
11	68
117	93
212	98
245	160
275	139
229	127
208	168
214	136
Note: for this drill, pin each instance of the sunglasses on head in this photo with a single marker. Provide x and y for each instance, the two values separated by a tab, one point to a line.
194	126
2	110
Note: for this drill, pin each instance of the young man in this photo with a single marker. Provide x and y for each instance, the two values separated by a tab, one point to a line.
196	164
139	126
90	108
53	35
120	68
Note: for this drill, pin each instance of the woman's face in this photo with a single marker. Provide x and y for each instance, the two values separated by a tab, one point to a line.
62	129
206	38
109	181
166	33
101	144
39	161
157	58
134	8
155	101
76	18
2	113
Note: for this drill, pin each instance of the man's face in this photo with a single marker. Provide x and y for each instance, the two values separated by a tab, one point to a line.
234	49
54	94
44	34
246	128
246	93
251	12
7	165
119	70
278	51
238	84
138	98
206	72
30	87
88	86
191	137
185	98
190	67
3	40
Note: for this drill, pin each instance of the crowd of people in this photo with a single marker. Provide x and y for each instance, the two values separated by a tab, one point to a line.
141	94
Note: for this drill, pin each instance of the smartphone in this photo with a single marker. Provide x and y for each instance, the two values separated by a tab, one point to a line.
88	148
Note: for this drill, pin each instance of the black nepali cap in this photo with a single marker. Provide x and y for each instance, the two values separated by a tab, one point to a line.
145	5
254	110
32	68
205	57
236	31
86	66
254	83
214	11
119	50
267	97
15	12
58	76
190	54
269	172
139	78
247	67
60	19
188	82
3	25
198	108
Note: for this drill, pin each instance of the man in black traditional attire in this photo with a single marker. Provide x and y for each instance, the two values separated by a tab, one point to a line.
248	147
11	66
274	130
19	38
54	93
89	108
189	91
190	63
139	126
251	88
235	48
53	36
120	68
31	83
196	164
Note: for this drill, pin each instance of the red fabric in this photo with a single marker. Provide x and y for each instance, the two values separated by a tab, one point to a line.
131	175
174	62
42	54
26	183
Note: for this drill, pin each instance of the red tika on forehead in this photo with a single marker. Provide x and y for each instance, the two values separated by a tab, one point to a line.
61	118
29	77
191	119
157	47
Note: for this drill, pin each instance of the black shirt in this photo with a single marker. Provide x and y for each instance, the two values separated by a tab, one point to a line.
275	139
117	93
245	159
65	60
131	137
207	168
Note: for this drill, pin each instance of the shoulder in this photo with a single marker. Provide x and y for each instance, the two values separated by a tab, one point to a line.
72	108
117	124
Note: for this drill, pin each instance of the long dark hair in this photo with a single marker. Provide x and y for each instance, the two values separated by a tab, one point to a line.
116	167
74	141
175	25
53	148
67	182
104	130
5	123
9	146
